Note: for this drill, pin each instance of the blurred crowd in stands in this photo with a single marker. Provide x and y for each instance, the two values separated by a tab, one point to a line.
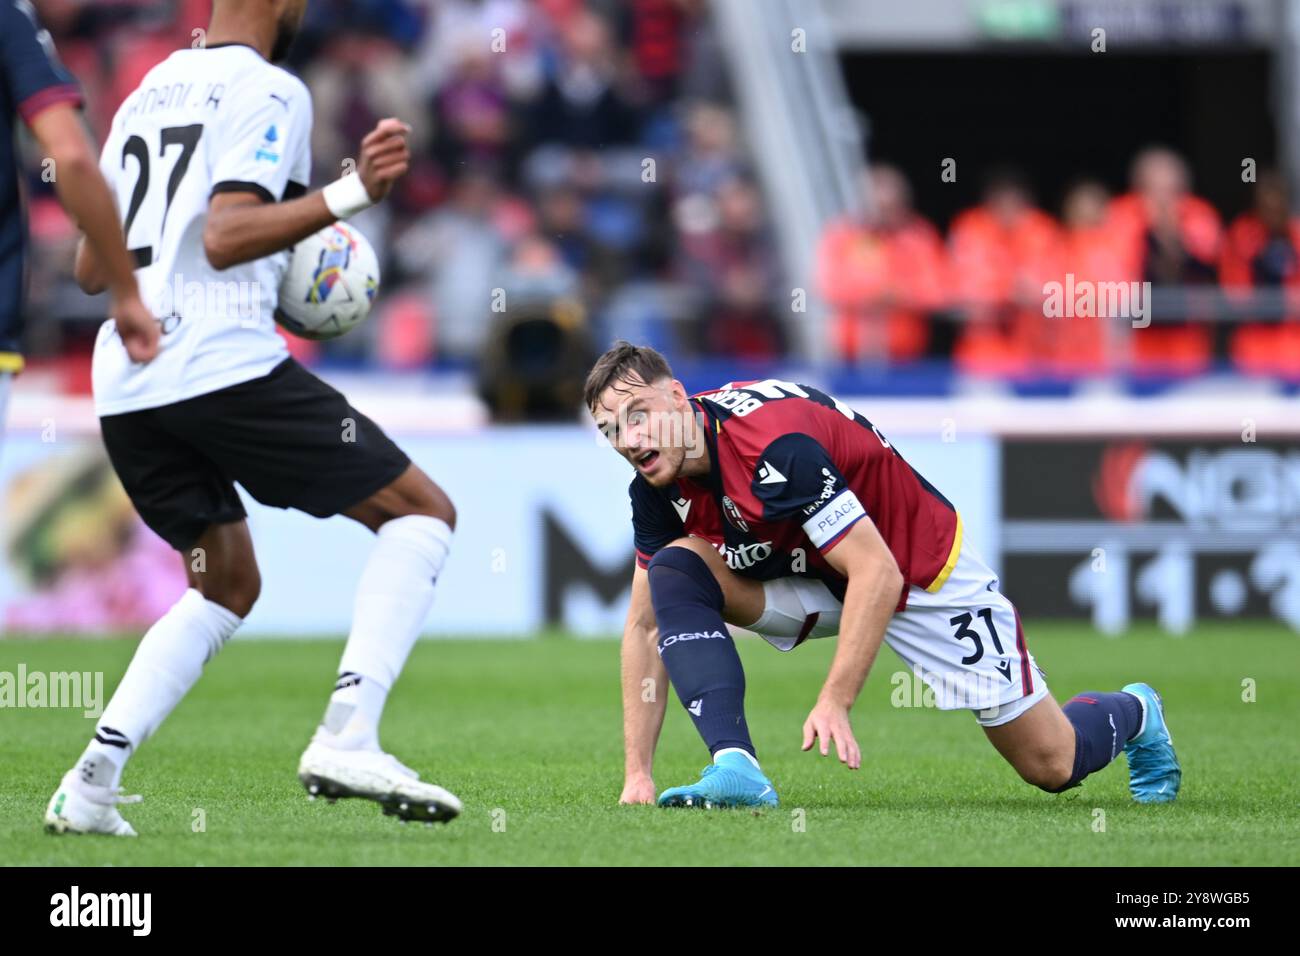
584	155
889	276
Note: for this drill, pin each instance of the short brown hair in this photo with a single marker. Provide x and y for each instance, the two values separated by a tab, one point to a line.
625	362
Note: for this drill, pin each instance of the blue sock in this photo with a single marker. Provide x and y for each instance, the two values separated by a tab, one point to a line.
697	649
1103	724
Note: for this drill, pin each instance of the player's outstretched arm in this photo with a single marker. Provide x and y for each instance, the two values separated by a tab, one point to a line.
874	584
86	197
643	703
242	226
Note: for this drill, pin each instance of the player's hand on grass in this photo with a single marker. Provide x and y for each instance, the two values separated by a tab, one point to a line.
830	721
638	789
136	326
385	156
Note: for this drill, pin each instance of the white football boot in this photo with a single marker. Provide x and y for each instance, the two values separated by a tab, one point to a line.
80	807
332	773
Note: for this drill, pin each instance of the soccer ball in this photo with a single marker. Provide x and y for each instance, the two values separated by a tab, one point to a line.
331	281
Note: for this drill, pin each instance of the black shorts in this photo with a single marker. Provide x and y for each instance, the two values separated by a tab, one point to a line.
291	440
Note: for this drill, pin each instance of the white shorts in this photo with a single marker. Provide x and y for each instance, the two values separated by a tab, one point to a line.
963	644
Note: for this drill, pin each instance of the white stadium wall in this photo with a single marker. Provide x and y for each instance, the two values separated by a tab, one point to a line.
543	539
1109	511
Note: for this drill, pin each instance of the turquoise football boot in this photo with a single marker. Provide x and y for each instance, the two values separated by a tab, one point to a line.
1153	771
732	780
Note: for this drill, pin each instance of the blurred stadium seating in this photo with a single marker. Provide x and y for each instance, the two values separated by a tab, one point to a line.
599	152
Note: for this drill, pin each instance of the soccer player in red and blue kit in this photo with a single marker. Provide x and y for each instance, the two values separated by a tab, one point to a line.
35	86
777	508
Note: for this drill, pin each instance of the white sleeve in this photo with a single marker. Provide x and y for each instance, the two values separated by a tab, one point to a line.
300	172
110	157
262	149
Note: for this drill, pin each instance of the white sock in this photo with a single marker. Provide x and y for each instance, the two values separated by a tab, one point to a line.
393	598
166	665
352	717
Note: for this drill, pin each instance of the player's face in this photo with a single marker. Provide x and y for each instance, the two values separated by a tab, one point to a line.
651	425
286	28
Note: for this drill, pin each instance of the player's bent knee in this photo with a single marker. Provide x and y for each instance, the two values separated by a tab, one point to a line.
675	565
439	507
444	509
425	496
236	593
683	555
240	600
414	493
698	545
1047	771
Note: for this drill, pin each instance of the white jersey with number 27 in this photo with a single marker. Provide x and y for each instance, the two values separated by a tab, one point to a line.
202	121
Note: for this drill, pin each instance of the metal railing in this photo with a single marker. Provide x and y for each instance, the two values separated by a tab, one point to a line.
802	134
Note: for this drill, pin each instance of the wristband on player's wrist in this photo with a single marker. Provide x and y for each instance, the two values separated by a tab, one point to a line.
347	196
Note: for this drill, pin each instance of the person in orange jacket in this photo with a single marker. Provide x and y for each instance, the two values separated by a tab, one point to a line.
1002	252
882	273
1174	237
1261	251
1084	343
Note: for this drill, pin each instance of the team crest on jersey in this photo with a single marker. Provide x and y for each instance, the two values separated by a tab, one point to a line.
733	514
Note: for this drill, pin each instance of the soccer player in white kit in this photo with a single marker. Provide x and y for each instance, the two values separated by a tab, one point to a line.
210	161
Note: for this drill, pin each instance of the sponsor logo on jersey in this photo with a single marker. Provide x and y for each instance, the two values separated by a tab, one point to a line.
768	475
746	555
269	150
734	517
683	507
696	707
672	639
828	491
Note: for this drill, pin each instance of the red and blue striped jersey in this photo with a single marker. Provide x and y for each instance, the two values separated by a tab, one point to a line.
793	469
31	79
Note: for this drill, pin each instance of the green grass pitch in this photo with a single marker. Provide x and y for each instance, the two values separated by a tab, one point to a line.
528	733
